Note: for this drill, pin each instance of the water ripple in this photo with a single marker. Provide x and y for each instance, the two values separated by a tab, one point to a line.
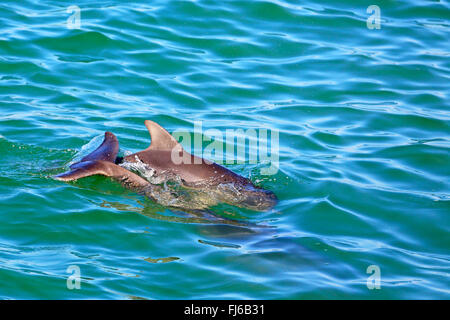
363	122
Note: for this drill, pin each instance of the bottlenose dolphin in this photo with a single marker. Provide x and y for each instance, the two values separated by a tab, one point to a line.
203	183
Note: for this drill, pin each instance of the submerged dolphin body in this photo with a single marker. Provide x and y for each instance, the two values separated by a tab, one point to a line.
201	183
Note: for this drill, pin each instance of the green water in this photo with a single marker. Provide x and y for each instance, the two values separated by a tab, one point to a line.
363	122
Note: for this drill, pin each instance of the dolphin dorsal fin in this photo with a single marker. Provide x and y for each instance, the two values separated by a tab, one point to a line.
161	139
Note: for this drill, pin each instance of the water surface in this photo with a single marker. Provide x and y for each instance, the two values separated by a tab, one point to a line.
363	122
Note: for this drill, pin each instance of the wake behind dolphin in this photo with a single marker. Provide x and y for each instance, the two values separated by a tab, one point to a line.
195	183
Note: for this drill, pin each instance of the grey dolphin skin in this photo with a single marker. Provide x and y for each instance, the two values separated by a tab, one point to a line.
163	157
102	162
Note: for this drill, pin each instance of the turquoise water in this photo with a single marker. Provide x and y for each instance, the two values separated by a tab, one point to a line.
363	122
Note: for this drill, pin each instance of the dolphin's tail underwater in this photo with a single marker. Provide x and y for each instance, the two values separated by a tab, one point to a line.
102	161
